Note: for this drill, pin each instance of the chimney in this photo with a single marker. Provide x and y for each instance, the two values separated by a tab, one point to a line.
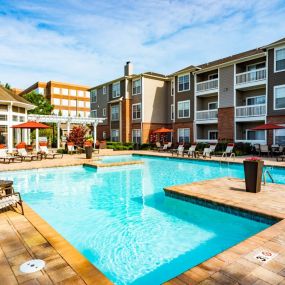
128	68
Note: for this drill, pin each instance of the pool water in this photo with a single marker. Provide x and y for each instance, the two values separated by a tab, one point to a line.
118	158
120	219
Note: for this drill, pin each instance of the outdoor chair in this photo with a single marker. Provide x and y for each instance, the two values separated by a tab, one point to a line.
71	149
264	149
229	151
158	145
7	158
22	153
276	149
179	150
257	148
47	153
11	200
208	151
192	151
163	148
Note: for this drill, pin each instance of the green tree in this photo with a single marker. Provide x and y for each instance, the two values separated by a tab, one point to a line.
43	106
7	86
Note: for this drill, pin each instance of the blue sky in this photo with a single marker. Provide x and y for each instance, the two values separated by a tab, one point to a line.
88	41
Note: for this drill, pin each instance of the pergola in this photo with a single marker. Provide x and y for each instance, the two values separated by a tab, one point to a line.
58	120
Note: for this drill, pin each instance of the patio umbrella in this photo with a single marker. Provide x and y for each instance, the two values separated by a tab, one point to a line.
163	130
267	127
33	126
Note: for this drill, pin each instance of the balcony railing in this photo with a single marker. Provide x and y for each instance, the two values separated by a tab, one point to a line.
207	85
251	76
207	115
251	111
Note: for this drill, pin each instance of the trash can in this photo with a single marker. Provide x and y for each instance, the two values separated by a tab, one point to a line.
88	152
253	174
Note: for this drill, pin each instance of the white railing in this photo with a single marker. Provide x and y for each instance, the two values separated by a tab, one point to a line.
251	111
207	115
251	76
207	85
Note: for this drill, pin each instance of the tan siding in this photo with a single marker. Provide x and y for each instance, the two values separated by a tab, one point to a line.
226	83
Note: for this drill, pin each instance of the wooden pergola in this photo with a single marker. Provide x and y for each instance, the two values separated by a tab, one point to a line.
58	120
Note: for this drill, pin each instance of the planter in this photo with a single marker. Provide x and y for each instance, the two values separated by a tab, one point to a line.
88	152
253	175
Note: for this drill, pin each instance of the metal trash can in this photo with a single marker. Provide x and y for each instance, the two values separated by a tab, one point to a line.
88	152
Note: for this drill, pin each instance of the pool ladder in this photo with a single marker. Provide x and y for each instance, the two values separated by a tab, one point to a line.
266	171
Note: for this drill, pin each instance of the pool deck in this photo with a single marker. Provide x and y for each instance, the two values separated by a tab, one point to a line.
29	236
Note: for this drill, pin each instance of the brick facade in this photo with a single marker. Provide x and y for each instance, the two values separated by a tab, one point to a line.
279	120
177	126
226	123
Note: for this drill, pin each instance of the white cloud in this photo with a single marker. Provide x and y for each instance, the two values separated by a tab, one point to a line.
87	42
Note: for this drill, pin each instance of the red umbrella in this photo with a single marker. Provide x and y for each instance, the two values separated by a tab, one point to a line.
267	127
30	125
163	130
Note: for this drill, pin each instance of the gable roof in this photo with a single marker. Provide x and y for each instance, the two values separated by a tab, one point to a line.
8	96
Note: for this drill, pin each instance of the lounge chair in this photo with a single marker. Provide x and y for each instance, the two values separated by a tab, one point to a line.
7	158
22	153
163	148
264	149
71	149
47	153
280	157
158	145
11	200
192	151
229	151
276	149
208	151
179	150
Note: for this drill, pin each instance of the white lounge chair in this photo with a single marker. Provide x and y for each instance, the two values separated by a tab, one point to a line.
208	151
192	150
13	200
229	151
179	150
49	153
7	158
25	155
164	148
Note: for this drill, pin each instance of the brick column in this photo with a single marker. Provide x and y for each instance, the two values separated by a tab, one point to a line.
226	123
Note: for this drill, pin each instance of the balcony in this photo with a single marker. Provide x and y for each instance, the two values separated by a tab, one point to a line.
251	78
206	116
207	87
253	112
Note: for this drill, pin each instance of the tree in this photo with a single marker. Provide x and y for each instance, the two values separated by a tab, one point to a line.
43	106
77	135
7	86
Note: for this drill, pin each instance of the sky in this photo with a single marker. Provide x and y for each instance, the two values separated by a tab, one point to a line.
88	41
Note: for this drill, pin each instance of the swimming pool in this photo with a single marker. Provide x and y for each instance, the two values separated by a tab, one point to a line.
120	219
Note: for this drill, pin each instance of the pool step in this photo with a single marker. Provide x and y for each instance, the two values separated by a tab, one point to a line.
112	164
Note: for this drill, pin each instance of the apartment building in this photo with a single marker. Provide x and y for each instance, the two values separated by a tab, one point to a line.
134	105
219	100
68	99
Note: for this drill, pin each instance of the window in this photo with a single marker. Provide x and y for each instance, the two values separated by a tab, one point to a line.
104	135
116	90
55	111
114	135
3	117
213	135
255	66
104	90
279	97
136	86
213	76
64	102
104	112
94	96
22	118
56	90
3	134
80	104
183	135
72	92
64	91
40	90
87	114
72	113
213	106
80	114
183	82
80	93
280	59
183	109
87	104
3	107
87	94
136	136
172	112
15	118
255	135
72	103
172	87
255	100
94	113
279	137
56	101
115	113
136	111
65	113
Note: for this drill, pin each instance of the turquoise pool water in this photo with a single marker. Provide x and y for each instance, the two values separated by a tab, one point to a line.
120	219
118	158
